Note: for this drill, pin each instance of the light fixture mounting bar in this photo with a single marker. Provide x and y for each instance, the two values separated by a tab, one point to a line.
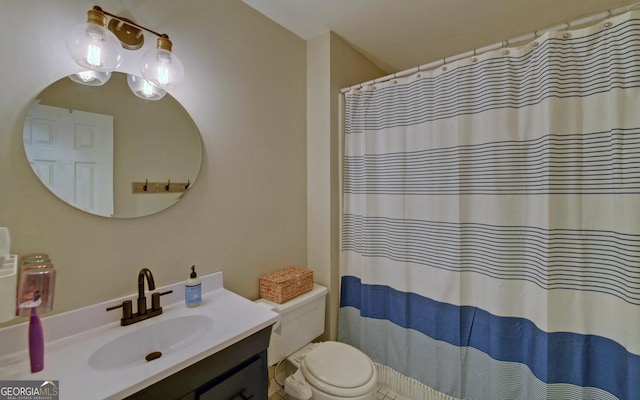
128	22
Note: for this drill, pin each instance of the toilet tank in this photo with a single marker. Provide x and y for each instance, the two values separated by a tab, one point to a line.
301	321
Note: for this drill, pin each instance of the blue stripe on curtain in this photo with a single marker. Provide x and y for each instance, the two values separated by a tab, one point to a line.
553	357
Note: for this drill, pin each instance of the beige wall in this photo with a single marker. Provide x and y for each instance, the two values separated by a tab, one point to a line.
267	194
246	91
332	64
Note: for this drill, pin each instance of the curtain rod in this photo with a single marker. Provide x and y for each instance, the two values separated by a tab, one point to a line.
496	46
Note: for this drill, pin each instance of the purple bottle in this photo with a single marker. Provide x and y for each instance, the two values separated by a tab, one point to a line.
36	340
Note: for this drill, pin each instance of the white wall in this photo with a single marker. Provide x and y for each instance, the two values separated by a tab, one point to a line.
246	90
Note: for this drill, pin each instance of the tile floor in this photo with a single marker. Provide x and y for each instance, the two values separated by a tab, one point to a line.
383	394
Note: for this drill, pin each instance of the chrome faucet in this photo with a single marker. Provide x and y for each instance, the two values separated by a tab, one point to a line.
128	317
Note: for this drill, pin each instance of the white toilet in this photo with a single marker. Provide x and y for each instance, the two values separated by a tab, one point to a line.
333	370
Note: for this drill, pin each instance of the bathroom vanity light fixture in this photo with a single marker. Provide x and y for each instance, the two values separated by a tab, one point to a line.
98	47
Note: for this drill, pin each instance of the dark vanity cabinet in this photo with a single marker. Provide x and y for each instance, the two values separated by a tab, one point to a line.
239	372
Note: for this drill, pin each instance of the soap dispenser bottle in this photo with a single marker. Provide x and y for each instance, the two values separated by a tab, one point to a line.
193	289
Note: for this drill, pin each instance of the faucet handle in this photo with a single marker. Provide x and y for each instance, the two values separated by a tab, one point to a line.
155	300
127	309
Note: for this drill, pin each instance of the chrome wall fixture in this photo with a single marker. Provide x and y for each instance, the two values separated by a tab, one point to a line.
98	46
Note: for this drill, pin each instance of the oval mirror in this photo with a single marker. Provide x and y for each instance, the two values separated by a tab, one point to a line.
105	151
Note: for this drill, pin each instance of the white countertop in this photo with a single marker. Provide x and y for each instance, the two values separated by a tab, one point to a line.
72	337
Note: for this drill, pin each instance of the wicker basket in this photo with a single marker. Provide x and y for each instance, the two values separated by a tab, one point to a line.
285	284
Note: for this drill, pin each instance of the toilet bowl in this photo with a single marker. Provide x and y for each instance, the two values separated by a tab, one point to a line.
333	370
336	371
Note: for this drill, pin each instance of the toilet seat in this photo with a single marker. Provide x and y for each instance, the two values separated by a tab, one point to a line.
339	369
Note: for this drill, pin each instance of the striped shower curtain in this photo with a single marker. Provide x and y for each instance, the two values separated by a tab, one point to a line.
490	235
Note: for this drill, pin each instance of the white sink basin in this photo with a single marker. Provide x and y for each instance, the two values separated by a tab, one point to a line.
165	336
93	357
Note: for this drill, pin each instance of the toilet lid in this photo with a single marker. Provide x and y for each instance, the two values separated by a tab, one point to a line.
339	369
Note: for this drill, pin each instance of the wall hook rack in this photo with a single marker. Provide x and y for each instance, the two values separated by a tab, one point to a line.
148	187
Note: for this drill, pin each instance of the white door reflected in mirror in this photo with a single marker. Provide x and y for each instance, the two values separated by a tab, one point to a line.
71	152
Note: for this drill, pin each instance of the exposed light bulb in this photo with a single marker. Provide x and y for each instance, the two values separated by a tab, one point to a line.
163	75
143	89
91	78
161	67
93	46
93	56
85	76
147	89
